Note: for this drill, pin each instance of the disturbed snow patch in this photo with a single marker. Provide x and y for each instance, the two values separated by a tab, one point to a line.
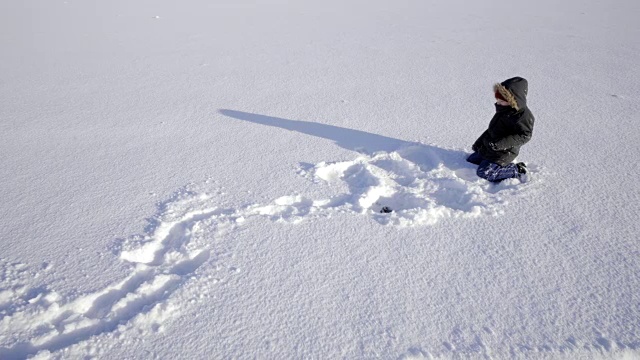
421	184
162	260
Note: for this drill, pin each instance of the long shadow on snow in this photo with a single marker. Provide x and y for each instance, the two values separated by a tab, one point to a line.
425	156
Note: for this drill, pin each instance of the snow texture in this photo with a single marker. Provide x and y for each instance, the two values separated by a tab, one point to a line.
205	180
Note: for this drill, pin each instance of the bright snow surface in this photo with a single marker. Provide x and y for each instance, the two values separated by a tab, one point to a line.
203	179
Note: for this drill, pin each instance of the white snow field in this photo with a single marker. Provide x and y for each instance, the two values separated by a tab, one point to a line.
203	180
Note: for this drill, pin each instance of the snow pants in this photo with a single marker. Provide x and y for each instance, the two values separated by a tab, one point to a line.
492	171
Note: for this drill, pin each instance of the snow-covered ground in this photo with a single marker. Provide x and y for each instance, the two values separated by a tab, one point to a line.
203	179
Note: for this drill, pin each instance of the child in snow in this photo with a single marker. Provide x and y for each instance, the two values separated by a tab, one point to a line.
509	129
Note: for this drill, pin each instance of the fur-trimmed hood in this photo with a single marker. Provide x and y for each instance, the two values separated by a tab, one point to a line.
514	91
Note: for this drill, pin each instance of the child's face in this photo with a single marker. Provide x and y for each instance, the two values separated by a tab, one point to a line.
501	102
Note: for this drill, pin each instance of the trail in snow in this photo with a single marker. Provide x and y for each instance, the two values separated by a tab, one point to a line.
423	185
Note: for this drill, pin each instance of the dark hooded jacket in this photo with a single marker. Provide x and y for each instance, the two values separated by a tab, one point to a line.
511	126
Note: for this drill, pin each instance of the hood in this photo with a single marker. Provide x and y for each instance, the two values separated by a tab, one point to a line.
514	90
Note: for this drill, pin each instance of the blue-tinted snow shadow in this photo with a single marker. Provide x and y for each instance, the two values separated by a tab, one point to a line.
426	156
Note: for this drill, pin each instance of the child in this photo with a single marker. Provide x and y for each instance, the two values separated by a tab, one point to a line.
509	129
